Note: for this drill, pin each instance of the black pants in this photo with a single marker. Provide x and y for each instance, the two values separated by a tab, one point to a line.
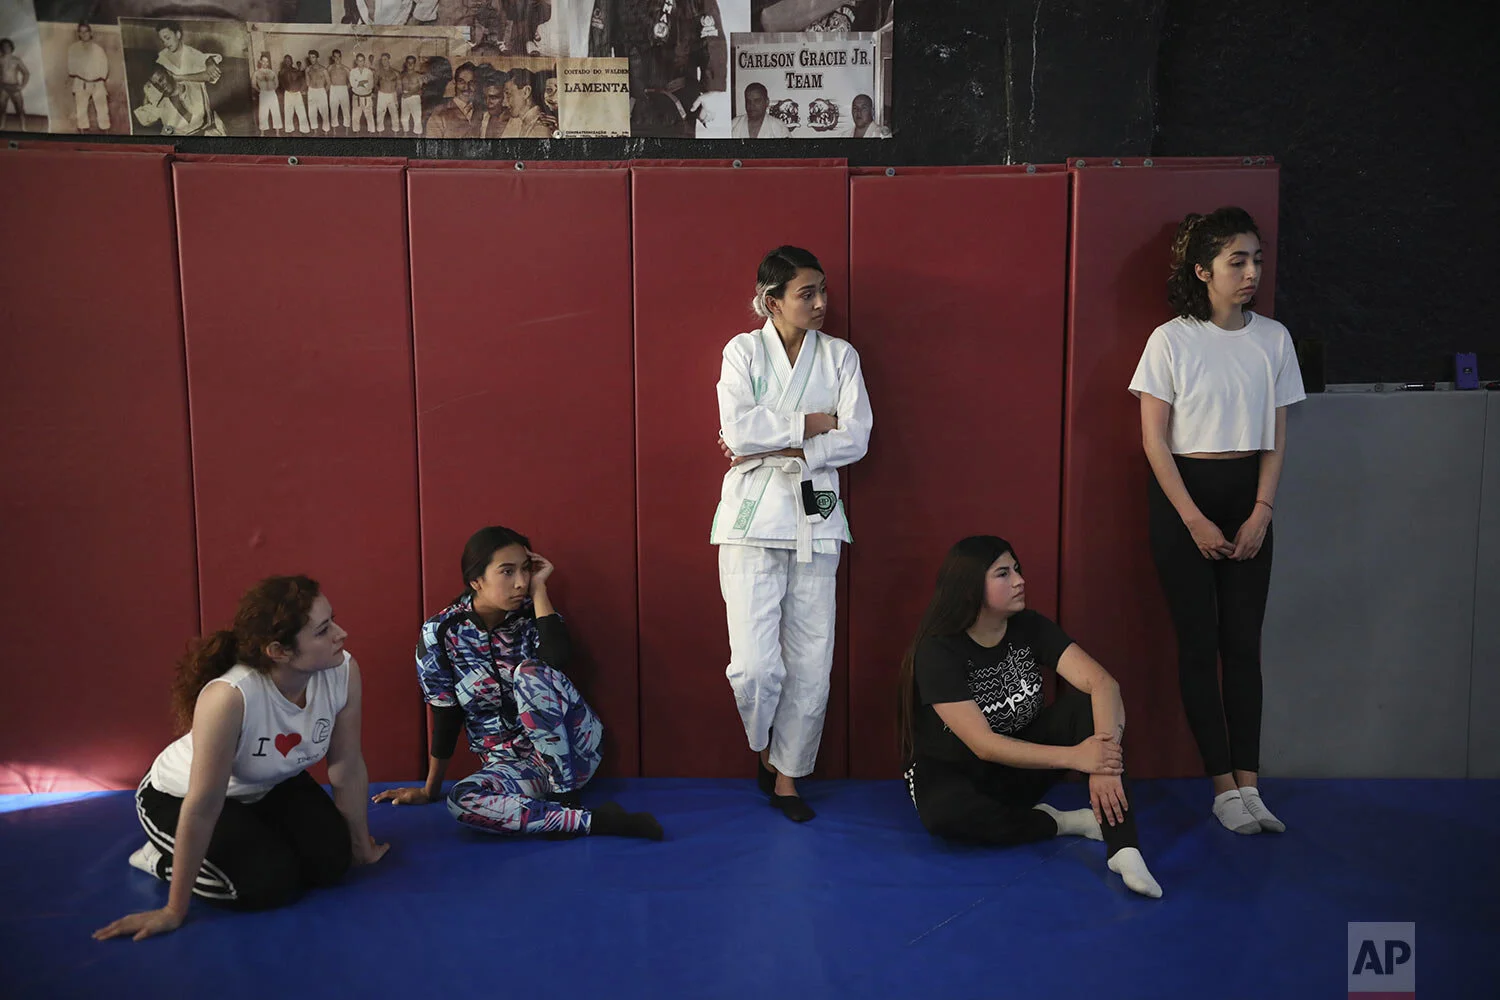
1218	606
982	803
262	854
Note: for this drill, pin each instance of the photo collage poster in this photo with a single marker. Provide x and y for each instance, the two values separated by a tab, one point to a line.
450	69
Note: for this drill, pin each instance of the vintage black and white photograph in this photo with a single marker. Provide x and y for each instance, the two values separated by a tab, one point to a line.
705	69
84	65
328	80
777	16
498	27
99	12
498	97
570	26
188	77
810	85
679	61
23	90
813	69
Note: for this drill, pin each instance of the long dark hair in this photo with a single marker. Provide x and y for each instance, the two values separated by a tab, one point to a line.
956	602
481	548
274	610
1199	240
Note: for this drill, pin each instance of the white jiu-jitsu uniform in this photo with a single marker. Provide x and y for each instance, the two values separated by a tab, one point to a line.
779	526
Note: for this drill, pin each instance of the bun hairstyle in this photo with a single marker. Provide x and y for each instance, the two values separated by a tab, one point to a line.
776	269
1200	239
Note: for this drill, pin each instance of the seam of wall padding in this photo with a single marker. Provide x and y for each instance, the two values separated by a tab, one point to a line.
187	394
187	368
1474	622
425	744
1063	393
635	480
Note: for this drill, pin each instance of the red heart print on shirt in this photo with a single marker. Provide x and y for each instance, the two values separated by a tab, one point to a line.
285	742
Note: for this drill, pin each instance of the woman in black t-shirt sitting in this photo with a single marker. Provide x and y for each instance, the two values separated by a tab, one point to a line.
979	744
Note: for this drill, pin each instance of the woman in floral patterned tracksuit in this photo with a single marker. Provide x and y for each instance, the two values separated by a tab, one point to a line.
492	662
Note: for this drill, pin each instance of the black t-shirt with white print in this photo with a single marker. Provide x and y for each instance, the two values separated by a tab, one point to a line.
1004	680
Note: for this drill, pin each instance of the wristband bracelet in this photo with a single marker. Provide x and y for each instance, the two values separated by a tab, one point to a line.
1268	506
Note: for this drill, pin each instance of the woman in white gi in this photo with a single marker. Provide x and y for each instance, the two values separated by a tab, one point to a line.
792	412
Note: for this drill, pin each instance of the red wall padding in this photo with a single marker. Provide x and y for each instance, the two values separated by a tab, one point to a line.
522	323
957	289
96	520
1123	222
294	286
698	236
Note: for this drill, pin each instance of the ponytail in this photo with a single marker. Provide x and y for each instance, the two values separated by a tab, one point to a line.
275	610
206	658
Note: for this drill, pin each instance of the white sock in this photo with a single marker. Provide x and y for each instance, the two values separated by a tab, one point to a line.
1074	822
145	858
1255	807
1131	867
1230	809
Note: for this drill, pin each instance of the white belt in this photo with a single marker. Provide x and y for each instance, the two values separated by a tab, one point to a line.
797	468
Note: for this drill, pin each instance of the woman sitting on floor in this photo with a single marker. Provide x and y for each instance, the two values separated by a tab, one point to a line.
492	662
230	812
980	746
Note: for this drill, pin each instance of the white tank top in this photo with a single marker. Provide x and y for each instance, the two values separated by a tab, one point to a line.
277	739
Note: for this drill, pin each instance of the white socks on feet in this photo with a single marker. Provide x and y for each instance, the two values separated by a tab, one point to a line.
1130	866
1127	862
1074	822
1230	809
145	858
1256	808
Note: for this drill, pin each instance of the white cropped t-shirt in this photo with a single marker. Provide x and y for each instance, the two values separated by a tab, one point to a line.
1224	386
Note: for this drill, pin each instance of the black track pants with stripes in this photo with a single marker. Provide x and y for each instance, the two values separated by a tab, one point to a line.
263	853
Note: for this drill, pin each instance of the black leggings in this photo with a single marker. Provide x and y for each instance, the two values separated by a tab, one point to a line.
982	803
263	853
1217	608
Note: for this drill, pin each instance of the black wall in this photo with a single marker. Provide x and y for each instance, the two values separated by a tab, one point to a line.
1382	114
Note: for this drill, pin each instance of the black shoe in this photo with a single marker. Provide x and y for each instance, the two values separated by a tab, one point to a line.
764	776
792	807
570	800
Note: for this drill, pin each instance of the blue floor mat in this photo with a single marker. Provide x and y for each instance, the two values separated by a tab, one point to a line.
737	902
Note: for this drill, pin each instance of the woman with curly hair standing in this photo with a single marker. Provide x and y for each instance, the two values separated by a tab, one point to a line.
1214	384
